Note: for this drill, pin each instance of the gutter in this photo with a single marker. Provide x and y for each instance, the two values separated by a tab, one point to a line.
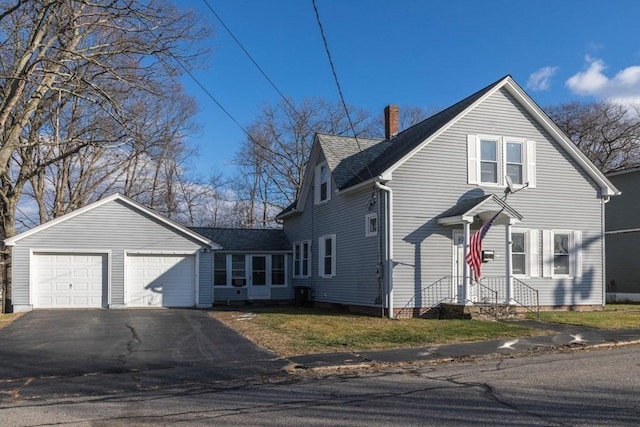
389	245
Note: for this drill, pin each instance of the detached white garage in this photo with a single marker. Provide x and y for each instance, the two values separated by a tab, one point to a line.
114	253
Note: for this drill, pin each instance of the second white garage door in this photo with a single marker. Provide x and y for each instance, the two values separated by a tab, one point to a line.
160	280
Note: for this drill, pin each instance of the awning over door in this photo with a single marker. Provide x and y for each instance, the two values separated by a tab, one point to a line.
484	207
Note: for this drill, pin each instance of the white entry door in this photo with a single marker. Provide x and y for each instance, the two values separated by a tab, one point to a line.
259	278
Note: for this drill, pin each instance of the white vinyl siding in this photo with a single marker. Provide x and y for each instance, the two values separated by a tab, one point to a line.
491	158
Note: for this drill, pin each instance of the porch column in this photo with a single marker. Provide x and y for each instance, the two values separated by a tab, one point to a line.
509	267
463	299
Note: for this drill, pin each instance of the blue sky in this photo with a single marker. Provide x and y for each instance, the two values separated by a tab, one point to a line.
420	53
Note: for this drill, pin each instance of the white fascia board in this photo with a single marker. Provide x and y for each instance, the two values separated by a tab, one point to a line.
117	196
606	187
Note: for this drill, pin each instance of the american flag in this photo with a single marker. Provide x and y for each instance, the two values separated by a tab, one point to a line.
474	257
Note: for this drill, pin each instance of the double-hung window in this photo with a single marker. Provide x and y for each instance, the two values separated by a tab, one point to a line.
327	256
562	253
524	252
490	159
514	159
302	259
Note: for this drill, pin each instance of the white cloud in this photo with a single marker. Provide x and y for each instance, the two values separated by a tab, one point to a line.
623	87
540	79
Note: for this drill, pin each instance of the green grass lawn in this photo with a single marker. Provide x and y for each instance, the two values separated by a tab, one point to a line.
292	330
614	316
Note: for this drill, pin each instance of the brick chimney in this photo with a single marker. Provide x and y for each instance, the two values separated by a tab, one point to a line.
390	121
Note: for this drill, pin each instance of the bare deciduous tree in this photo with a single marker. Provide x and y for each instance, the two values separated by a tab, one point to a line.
608	134
271	162
89	60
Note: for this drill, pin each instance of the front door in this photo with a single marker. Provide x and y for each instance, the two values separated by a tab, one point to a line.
258	284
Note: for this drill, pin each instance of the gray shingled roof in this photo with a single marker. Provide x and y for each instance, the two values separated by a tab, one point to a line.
346	160
245	239
403	143
351	164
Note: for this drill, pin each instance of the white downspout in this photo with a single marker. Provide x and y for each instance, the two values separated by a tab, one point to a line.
604	201
389	238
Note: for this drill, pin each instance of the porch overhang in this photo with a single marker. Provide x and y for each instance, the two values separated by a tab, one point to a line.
484	207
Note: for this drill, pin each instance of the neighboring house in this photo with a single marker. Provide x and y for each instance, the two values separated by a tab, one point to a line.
623	237
384	225
116	253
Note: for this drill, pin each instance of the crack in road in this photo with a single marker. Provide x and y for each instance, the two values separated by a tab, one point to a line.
131	345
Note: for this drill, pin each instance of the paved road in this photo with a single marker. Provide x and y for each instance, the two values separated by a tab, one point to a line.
71	352
595	387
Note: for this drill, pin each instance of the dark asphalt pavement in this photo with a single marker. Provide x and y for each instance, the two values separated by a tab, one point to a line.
88	352
157	346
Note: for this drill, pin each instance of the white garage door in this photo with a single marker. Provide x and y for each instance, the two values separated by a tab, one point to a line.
160	280
69	280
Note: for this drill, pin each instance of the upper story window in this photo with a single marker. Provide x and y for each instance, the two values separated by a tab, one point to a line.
491	158
514	162
489	161
323	183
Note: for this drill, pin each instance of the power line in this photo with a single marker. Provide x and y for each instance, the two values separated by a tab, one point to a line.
335	75
284	98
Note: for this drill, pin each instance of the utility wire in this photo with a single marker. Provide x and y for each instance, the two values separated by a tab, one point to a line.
335	75
284	98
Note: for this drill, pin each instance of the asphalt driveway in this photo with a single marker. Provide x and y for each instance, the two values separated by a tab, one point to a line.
170	342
